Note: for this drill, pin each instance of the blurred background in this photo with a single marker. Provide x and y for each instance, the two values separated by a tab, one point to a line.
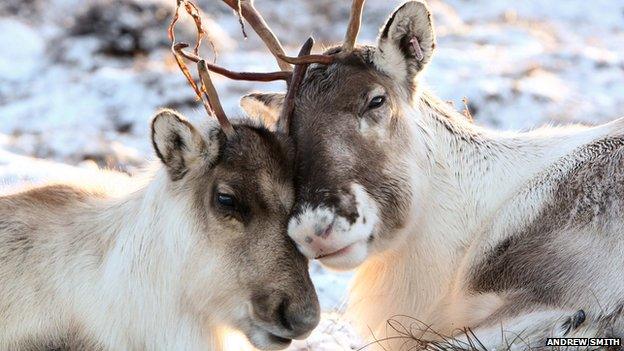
80	79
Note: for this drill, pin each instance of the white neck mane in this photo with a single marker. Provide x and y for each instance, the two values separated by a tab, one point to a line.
147	233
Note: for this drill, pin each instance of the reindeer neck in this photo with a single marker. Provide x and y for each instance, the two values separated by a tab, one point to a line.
149	227
147	237
475	171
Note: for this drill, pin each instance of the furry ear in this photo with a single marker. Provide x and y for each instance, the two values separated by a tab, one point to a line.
179	145
265	107
406	42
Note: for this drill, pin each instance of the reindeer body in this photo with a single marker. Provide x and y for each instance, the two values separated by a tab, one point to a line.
83	268
165	266
519	231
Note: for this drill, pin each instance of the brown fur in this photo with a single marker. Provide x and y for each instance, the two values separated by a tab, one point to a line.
322	129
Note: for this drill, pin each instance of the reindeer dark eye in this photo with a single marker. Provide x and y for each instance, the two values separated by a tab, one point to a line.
377	101
226	200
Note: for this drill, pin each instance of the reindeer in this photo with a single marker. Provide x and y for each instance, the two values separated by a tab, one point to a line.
470	233
199	247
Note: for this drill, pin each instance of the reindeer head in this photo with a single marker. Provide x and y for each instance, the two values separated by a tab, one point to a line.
351	125
239	186
238	178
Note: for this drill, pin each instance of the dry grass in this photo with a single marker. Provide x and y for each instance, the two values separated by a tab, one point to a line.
412	334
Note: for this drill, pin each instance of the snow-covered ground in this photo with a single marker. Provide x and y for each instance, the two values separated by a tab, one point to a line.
79	80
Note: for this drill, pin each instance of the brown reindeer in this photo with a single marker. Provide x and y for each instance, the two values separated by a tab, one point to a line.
513	236
166	265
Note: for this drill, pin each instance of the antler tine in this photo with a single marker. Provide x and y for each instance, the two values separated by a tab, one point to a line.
307	59
260	26
248	76
354	25
211	95
293	88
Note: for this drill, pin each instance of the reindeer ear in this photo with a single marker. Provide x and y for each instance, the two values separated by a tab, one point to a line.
265	107
179	145
406	42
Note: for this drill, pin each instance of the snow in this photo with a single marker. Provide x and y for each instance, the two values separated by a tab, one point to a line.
16	170
80	80
19	64
332	334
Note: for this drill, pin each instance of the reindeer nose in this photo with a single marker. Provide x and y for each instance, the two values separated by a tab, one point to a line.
296	319
300	321
319	239
322	242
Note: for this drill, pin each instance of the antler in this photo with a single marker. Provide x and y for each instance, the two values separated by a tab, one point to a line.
307	59
206	92
293	88
259	25
210	93
354	25
249	76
